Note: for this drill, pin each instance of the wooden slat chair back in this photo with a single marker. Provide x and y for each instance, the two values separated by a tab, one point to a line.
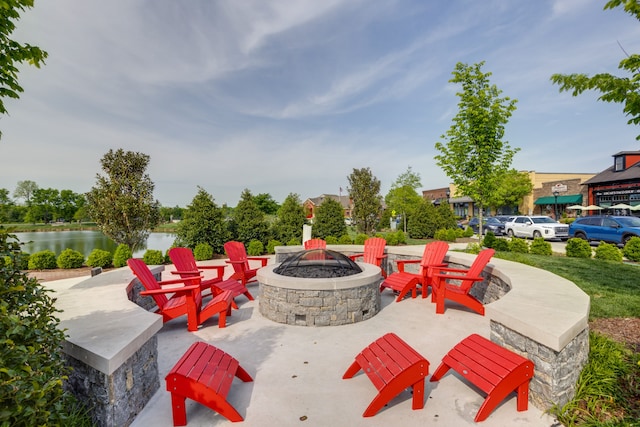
315	244
467	277
373	253
238	258
186	266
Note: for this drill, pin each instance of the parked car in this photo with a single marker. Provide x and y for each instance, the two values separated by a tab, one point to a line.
488	224
536	226
612	229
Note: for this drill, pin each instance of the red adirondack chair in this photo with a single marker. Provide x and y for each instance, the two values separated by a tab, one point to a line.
183	299
186	267
443	290
315	244
240	261
373	253
404	281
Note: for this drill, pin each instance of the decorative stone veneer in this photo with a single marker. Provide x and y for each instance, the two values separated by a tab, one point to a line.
116	399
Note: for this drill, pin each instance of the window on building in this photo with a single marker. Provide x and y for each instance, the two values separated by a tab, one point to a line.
619	164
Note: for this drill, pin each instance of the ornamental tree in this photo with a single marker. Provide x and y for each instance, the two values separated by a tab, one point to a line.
121	203
202	222
364	190
403	196
474	155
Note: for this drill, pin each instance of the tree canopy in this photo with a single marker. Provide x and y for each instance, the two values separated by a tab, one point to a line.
13	53
403	196
290	219
474	156
202	222
121	203
623	90
329	220
248	220
364	190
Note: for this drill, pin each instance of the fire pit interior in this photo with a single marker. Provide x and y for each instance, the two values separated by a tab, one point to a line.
318	263
319	287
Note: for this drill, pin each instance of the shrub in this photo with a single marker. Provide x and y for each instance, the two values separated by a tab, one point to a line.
539	246
609	252
43	260
70	259
578	248
501	245
401	237
473	248
294	242
121	255
271	246
631	249
203	252
255	248
518	245
153	257
20	260
331	240
100	258
391	239
448	235
33	366
489	240
467	232
360	238
345	239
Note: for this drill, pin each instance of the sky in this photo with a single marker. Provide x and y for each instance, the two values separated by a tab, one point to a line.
290	96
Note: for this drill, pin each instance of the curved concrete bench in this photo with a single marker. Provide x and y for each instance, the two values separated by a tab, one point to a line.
533	312
111	345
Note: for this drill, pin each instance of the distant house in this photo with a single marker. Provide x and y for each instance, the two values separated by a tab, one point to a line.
310	205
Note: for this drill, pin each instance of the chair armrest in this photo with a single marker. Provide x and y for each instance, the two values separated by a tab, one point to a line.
381	257
263	260
458	277
182	290
220	268
174	281
190	272
228	261
355	256
402	262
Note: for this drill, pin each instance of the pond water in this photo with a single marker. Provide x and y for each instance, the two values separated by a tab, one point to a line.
85	242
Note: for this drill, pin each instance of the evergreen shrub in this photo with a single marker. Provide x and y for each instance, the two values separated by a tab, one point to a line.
294	242
121	255
255	248
31	358
100	258
518	245
539	246
360	238
153	257
609	252
631	249
43	260
70	259
345	239
271	246
578	248
473	248
331	240
467	232
501	245
391	239
20	260
489	240
203	252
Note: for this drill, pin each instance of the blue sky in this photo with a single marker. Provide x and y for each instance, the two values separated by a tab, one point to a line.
290	96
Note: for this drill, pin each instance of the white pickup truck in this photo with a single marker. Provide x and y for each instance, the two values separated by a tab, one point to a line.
536	226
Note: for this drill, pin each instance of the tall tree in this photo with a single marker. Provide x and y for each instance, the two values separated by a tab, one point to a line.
623	90
121	203
24	190
514	185
475	156
364	190
202	222
403	197
45	205
290	220
266	204
13	53
249	221
329	220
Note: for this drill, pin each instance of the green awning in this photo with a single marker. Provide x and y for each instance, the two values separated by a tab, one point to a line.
570	199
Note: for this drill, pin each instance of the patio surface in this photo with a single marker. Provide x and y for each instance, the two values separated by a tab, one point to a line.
298	370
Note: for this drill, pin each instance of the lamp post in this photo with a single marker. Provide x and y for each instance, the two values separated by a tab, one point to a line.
555	204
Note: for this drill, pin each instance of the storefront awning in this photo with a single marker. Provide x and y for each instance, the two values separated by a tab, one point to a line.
570	199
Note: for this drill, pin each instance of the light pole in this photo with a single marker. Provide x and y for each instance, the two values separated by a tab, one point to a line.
555	204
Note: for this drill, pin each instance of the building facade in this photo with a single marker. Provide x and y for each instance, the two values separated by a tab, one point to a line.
619	183
310	205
